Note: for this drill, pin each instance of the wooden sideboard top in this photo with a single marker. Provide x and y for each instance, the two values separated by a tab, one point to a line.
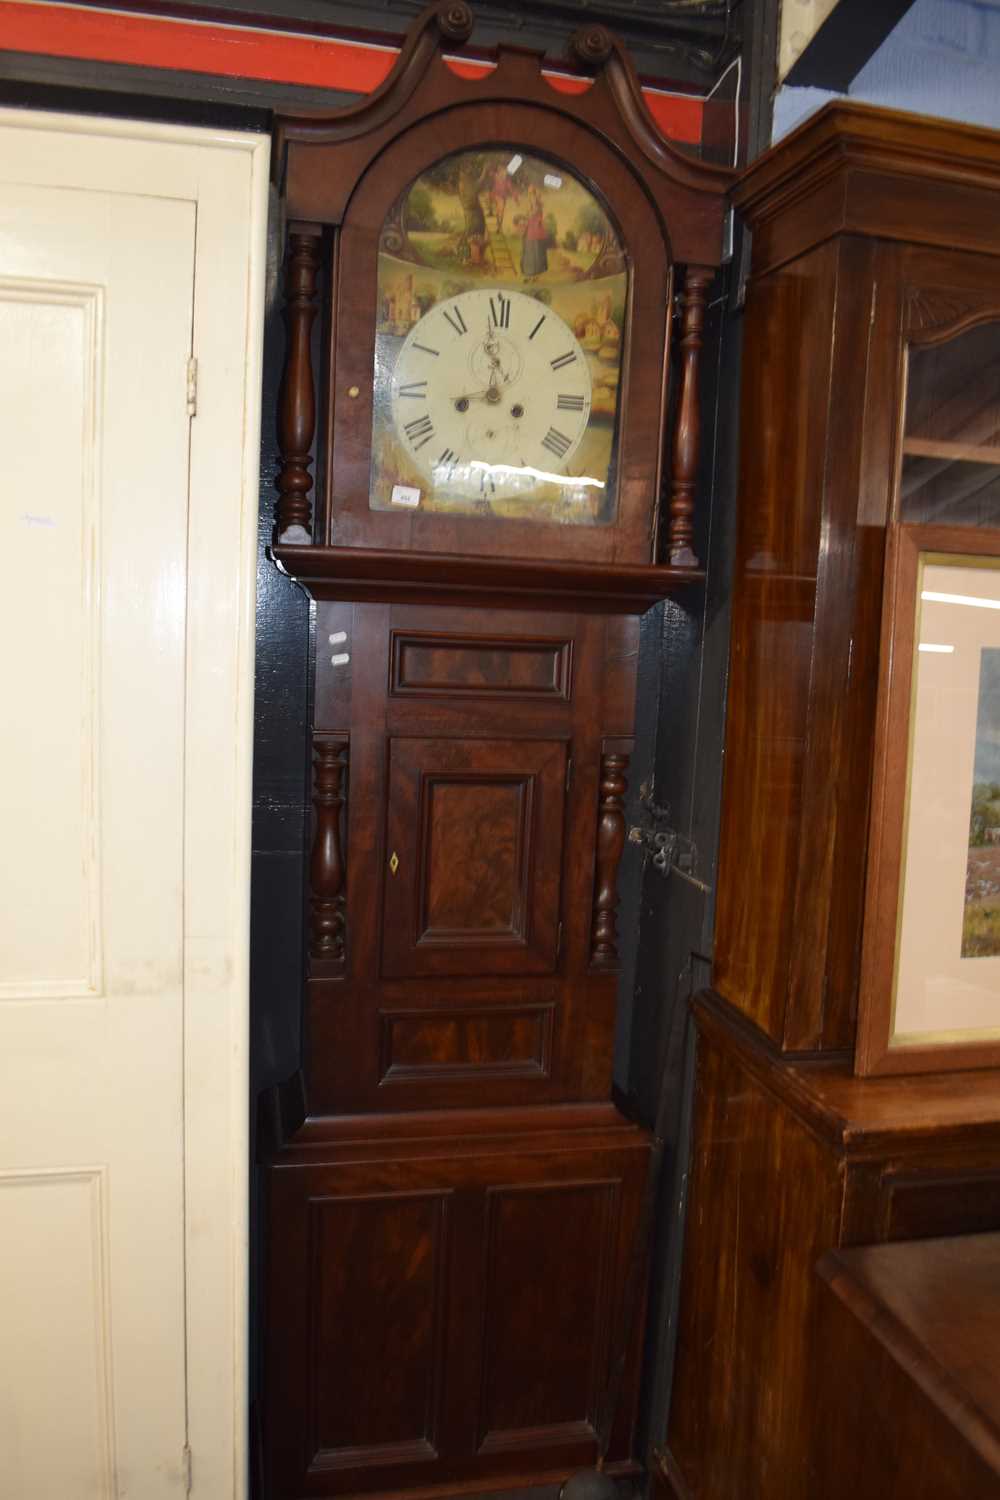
934	1305
861	1116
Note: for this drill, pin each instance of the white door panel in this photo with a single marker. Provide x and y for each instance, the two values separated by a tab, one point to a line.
96	433
124	613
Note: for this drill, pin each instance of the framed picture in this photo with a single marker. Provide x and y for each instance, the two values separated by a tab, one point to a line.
930	965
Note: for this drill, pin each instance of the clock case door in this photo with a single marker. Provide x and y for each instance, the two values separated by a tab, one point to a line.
475	833
485	752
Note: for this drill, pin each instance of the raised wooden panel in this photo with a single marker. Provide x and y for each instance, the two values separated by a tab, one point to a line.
374	1386
768	1197
549	1266
431	664
924	1204
510	1234
51	902
474	853
501	1041
481	828
56	1373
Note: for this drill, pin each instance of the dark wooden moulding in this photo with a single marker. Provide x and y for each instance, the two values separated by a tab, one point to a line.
451	1228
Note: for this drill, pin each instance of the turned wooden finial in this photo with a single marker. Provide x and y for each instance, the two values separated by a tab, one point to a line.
592	45
454	20
327	872
687	433
297	398
610	843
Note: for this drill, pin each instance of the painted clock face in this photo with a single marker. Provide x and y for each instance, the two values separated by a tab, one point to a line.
502	294
491	395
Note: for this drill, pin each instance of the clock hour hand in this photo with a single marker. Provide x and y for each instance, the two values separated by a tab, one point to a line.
491	394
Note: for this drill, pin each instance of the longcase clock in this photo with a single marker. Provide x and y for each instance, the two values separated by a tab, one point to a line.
470	489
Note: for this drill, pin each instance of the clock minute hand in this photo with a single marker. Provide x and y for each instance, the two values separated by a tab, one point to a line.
491	394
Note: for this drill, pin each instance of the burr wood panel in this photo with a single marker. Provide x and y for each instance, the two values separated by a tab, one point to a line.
471	1042
473	856
434	664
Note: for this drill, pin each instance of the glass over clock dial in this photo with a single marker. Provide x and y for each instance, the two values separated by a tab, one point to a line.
502	295
491	395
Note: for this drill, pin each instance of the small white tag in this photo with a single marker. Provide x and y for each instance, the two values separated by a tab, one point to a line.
341	659
551	180
513	164
405	494
337	637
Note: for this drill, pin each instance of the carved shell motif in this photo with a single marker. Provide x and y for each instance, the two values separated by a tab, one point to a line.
941	313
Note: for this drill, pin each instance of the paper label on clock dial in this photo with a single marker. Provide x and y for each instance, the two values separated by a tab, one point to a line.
406	494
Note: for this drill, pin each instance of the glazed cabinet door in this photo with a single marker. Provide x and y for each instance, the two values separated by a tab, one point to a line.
474	856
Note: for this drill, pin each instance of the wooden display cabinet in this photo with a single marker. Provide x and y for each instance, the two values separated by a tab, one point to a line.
789	1160
870	229
874	234
452	1224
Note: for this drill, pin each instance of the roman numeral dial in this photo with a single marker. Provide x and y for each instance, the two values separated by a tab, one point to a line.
491	395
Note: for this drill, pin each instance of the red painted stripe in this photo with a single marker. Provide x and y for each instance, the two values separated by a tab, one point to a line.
240	52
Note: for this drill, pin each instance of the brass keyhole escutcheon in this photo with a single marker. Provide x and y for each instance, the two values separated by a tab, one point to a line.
394	862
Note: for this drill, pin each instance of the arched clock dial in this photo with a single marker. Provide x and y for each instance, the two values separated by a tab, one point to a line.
502	325
491	395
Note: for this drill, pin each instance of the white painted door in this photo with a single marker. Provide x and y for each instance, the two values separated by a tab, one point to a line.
107	588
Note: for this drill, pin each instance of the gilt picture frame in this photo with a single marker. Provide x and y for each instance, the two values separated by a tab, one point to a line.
929	995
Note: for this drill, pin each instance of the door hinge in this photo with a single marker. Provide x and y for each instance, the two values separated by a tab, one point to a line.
559	931
192	387
569	773
186	1468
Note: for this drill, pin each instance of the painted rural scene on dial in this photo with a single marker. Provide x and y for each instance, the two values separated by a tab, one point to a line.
981	924
505	220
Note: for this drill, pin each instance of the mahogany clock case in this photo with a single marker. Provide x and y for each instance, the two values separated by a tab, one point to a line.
452	1229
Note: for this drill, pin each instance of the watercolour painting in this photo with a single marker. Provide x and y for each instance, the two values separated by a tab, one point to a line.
981	922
